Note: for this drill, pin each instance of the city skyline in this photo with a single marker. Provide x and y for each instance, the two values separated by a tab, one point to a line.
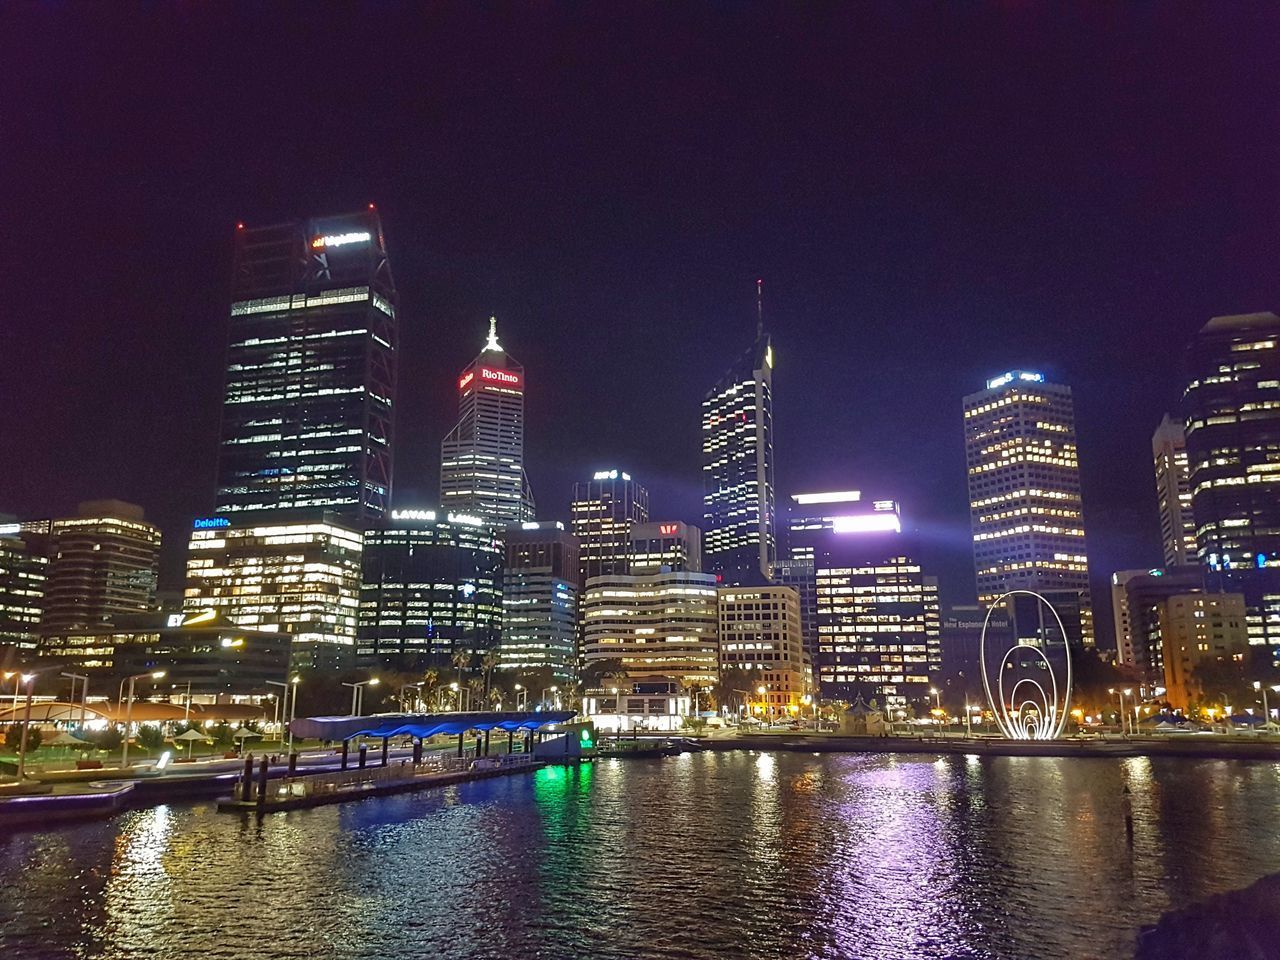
902	323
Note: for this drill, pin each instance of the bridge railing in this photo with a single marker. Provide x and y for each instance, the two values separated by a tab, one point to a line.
401	771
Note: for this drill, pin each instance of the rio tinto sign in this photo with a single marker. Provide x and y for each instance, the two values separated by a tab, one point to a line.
490	376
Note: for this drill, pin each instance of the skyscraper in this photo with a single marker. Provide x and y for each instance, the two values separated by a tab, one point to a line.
431	586
1024	493
482	459
739	528
1173	493
1232	414
603	512
24	568
311	371
103	564
658	547
299	576
540	596
878	618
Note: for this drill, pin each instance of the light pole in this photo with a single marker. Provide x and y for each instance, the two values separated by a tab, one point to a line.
460	692
968	723
553	689
84	693
764	704
281	707
1120	694
293	707
357	693
16	677
128	717
409	686
522	697
28	679
1133	728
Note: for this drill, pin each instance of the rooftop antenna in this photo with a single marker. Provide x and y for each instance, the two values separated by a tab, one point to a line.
759	309
493	336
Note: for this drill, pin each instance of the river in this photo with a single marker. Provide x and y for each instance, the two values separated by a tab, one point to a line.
710	855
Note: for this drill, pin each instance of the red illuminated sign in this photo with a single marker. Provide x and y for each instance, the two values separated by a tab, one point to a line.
667	529
491	376
504	377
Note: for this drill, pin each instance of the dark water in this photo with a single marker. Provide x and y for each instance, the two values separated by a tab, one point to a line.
708	855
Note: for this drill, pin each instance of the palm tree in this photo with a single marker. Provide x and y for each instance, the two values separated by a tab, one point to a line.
430	681
487	663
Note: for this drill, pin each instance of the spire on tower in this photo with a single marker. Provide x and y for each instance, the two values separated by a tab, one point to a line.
759	309
493	343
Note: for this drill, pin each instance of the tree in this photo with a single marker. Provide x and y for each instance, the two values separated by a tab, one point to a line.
150	737
13	738
108	739
488	662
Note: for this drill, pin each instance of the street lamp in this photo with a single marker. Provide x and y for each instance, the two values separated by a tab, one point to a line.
764	704
84	694
28	679
1121	694
128	717
11	675
357	693
1128	692
552	689
281	707
409	686
293	707
522	697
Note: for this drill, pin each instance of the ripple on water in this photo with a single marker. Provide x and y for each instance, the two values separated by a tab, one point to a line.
770	856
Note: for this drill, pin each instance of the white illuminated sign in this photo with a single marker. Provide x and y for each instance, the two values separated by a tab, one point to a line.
174	620
466	519
839	496
340	240
1012	375
610	475
428	515
9	529
867	523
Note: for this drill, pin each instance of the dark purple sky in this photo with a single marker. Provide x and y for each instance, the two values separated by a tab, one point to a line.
933	194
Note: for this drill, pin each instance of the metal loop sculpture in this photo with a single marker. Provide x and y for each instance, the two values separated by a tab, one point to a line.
1040	715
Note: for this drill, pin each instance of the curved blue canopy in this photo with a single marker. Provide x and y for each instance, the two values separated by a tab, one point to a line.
424	724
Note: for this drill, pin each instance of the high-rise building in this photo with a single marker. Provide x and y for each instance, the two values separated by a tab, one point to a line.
482	459
1232	415
24	568
603	511
664	547
1144	595
1173	493
311	371
660	625
878	620
739	526
1024	493
431	587
299	576
540	596
760	634
102	565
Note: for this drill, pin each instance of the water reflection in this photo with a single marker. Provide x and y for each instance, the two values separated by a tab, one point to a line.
707	855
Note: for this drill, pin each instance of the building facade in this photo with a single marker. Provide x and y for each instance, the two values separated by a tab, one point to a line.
298	576
103	565
1120	619
24	569
760	635
739	523
482	459
1194	628
603	511
1145	593
664	547
660	625
431	587
311	371
1173	493
878	619
540	596
1025	506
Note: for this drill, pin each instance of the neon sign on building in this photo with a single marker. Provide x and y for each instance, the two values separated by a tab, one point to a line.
490	375
340	240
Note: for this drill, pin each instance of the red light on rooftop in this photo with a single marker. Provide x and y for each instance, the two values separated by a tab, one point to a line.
372	207
240	226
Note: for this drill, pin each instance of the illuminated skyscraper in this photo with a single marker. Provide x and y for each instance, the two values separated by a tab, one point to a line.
1024	494
603	512
1173	493
1232	412
659	547
760	634
24	568
878	619
540	596
739	530
482	459
431	587
298	576
311	371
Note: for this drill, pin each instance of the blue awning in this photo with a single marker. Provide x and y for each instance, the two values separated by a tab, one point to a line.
424	724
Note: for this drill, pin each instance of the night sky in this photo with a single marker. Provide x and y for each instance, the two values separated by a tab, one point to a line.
932	194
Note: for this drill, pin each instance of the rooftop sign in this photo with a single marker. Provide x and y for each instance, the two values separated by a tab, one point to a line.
1013	375
340	240
210	523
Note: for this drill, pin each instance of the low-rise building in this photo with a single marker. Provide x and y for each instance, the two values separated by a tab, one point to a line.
659	704
1194	628
760	635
